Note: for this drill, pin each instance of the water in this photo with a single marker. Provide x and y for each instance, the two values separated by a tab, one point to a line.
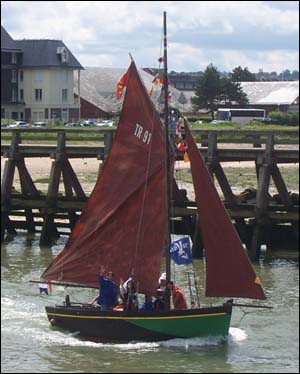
260	341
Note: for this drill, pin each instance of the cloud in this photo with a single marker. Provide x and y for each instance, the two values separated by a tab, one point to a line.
227	33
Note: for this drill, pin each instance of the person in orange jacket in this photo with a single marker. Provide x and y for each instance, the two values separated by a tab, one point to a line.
178	297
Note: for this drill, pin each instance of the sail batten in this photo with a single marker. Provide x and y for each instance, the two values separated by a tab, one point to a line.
229	272
123	224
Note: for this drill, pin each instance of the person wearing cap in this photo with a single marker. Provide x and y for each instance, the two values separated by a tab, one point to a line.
108	293
161	292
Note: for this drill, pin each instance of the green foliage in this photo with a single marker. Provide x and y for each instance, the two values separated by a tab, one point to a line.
242	75
289	119
208	89
6	121
199	118
212	89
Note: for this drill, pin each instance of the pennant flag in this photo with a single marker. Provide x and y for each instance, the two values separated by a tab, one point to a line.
158	80
121	84
150	92
180	251
186	157
181	146
178	130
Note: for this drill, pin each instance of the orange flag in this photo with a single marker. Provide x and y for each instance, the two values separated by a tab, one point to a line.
121	84
186	157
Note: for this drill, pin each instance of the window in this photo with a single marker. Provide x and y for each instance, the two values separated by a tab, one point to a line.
21	95
38	94
13	58
14	94
64	114
64	56
21	75
14	76
64	94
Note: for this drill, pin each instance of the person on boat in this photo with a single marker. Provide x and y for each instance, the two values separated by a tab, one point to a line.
129	295
161	292
148	304
108	293
178	297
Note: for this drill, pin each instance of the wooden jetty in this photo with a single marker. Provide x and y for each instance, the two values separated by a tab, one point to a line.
52	214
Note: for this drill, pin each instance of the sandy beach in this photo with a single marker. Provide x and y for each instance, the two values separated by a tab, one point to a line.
86	170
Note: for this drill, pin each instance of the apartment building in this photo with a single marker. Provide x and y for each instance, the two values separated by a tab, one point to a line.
37	80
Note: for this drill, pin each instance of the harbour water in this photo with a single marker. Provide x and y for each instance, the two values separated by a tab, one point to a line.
260	340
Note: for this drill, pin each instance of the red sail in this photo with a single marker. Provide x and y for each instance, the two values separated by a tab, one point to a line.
229	272
123	224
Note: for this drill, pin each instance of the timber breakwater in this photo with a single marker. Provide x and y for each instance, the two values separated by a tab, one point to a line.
259	221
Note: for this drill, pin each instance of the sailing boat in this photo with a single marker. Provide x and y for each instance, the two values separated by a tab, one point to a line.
125	227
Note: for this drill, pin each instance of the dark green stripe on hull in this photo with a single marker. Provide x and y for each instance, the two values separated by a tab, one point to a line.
188	327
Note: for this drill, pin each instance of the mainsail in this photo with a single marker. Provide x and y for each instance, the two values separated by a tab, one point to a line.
123	224
229	272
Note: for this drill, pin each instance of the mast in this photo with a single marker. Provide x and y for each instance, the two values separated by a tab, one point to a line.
167	163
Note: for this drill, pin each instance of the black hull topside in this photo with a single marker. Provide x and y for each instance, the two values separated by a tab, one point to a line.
117	326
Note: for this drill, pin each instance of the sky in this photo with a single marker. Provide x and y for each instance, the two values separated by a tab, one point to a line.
253	34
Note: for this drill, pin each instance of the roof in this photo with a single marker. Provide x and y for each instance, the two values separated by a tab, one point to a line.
98	86
44	53
279	93
7	42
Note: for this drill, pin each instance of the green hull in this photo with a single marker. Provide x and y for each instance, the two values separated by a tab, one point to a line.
187	326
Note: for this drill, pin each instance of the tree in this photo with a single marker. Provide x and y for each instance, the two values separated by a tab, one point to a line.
212	90
232	93
242	75
208	90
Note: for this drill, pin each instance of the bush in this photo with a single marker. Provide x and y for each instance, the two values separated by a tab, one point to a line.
201	118
289	119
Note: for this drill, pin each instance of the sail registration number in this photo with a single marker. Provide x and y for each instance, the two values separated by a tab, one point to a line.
142	134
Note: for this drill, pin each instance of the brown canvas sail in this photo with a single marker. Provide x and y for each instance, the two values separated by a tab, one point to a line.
123	224
229	272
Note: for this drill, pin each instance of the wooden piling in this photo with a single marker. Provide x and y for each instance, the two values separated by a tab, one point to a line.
29	203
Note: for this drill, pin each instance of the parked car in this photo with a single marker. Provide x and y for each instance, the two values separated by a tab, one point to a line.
215	121
105	123
88	123
72	124
19	124
39	124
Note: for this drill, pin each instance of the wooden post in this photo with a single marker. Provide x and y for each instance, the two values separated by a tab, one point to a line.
211	156
262	199
49	229
29	190
7	185
281	187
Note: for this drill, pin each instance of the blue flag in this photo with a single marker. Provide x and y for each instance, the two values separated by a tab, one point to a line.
180	251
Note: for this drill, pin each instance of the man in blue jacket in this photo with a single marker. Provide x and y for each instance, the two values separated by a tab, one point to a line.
108	292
